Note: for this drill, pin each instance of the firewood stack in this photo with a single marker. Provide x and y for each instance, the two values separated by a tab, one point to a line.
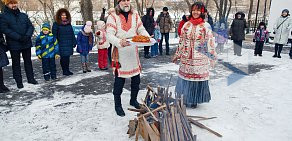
161	118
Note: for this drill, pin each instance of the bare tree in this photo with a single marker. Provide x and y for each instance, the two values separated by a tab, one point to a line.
115	3
223	9
139	9
86	10
249	14
108	4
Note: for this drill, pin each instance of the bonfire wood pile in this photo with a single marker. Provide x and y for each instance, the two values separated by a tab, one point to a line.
163	118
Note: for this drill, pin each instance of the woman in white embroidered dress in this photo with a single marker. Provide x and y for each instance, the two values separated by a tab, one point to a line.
196	53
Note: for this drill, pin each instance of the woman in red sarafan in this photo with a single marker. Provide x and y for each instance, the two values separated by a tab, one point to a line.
196	53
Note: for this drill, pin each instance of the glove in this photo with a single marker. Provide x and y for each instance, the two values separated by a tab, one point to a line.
158	40
57	56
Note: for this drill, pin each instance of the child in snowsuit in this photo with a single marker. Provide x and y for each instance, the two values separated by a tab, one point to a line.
260	37
47	50
102	45
84	45
157	37
221	38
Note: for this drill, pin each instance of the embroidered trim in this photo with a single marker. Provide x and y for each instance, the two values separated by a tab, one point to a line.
126	25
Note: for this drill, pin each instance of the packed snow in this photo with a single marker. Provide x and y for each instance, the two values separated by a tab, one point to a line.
255	107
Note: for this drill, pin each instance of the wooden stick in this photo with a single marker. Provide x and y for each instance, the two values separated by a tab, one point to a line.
174	123
136	110
204	127
155	110
154	117
205	119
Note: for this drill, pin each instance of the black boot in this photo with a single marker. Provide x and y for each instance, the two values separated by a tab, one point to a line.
3	88
133	101
32	81
19	85
118	106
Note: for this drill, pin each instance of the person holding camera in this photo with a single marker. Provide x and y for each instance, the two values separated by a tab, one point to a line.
282	30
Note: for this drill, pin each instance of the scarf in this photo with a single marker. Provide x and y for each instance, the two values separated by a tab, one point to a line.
65	22
89	35
196	21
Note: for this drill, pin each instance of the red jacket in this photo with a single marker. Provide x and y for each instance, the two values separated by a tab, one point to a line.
181	24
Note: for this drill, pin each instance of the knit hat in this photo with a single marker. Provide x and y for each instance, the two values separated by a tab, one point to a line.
285	10
100	25
6	2
46	26
165	9
87	27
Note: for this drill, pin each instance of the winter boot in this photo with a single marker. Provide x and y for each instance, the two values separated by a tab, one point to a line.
118	106
84	68
19	85
32	81
133	101
3	88
87	67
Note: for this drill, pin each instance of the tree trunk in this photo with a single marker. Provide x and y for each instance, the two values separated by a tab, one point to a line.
108	4
1	6
207	3
188	3
115	3
86	10
249	15
139	8
229	9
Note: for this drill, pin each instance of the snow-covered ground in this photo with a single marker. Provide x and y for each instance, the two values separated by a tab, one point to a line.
254	107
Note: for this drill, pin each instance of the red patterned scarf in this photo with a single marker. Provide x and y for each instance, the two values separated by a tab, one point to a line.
196	21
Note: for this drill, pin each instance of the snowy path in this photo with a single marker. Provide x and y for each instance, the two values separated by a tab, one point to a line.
254	107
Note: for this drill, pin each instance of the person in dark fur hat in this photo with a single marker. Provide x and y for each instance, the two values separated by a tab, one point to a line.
63	31
237	32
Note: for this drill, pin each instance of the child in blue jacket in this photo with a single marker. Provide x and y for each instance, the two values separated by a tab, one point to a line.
84	45
157	37
47	50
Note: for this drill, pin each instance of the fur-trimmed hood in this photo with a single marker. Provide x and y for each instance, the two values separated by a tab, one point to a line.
58	15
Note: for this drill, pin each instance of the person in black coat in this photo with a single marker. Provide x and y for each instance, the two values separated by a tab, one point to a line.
63	31
148	23
237	32
3	62
18	30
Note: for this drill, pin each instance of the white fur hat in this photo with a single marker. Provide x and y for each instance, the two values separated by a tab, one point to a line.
100	24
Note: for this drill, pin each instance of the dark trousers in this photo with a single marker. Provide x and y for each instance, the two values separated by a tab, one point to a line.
119	85
278	49
49	68
109	54
65	61
290	54
166	35
259	48
237	47
16	68
146	50
1	78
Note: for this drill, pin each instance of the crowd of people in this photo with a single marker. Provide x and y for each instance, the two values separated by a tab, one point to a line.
196	51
